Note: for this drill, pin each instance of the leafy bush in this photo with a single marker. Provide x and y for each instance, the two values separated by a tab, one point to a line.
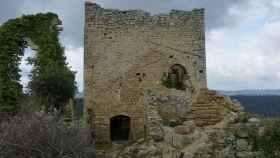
43	136
53	87
243	117
269	141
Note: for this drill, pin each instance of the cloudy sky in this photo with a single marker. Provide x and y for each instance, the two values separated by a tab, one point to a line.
242	36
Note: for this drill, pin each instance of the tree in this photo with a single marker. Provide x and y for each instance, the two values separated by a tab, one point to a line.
53	87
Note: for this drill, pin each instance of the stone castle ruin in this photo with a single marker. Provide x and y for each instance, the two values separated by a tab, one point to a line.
145	85
134	60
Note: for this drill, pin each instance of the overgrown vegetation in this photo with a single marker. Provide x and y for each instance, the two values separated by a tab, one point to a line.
43	135
52	81
38	131
166	81
53	88
269	141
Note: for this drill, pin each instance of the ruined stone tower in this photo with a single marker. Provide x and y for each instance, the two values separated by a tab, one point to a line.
129	53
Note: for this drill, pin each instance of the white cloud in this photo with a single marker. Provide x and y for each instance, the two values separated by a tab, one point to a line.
76	62
240	58
25	67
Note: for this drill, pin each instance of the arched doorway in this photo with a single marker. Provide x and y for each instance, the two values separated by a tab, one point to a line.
176	76
120	128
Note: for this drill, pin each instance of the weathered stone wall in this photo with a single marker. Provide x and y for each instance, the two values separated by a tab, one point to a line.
127	52
171	108
209	107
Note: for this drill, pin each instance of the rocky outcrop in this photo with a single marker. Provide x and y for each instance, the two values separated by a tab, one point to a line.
221	131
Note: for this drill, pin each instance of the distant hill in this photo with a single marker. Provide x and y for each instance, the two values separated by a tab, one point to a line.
266	105
271	92
261	102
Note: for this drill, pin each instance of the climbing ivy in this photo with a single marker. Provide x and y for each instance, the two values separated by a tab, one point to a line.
41	31
166	81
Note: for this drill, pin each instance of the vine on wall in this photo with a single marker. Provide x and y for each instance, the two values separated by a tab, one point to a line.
49	63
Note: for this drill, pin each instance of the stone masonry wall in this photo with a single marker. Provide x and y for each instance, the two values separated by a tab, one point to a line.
209	107
127	52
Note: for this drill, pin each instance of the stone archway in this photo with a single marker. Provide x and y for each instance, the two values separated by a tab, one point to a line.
177	74
120	128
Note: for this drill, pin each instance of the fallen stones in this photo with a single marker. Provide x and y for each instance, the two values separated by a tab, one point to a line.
183	130
156	133
242	145
241	130
254	120
143	150
187	128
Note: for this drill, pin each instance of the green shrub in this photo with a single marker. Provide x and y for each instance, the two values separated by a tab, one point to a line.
243	117
53	88
269	141
165	80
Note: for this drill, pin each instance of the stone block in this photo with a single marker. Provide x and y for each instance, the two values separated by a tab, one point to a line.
242	145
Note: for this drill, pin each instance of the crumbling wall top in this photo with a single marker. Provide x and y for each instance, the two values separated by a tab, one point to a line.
116	16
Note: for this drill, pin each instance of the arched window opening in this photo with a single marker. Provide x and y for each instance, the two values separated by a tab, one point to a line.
26	67
120	128
176	77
